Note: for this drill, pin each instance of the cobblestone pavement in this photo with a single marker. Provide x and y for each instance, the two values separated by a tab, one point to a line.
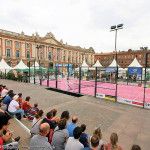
132	124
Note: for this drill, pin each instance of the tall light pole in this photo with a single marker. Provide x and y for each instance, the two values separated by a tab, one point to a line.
116	28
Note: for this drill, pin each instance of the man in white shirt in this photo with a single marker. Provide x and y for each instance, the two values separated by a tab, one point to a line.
14	107
73	142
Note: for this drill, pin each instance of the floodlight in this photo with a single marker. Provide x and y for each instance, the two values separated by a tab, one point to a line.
119	25
113	27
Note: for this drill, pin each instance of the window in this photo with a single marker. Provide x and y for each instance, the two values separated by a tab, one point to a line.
8	43
17	53
27	46
50	55
17	44
28	54
8	53
64	56
58	54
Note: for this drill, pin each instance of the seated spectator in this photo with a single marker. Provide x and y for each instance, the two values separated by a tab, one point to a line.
4	91
32	112
20	100
113	143
98	132
84	137
60	136
36	123
73	142
136	147
14	108
65	115
4	123
7	99
26	105
71	126
55	118
40	141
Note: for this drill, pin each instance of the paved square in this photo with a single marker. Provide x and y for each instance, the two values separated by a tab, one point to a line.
132	124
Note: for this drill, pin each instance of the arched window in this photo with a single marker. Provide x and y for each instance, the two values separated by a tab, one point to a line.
50	55
28	54
17	53
8	54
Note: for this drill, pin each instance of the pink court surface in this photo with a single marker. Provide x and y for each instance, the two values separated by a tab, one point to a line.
129	94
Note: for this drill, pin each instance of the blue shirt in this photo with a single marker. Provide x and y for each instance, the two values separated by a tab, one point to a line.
70	127
7	100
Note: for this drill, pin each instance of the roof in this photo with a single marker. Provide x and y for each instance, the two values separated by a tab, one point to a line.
135	63
20	65
113	64
97	64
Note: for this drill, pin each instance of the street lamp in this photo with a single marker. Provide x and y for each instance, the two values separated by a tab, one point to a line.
116	28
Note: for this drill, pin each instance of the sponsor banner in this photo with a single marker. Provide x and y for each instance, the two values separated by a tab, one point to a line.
147	105
110	98
100	95
130	102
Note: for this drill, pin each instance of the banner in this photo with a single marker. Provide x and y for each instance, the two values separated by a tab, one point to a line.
135	71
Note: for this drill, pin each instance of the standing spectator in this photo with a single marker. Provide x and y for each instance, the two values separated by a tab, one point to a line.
26	105
60	136
98	132
136	147
84	136
73	142
113	143
71	126
40	141
32	112
14	108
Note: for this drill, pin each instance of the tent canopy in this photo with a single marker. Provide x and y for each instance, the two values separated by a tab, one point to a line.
84	64
135	63
114	64
97	64
21	66
4	66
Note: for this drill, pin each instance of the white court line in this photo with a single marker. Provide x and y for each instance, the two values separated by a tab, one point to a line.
23	126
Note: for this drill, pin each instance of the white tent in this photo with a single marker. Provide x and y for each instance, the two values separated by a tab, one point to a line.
114	64
4	67
21	66
97	64
84	64
36	65
135	63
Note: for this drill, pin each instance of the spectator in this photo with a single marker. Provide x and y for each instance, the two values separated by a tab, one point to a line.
84	137
136	147
71	126
94	143
98	132
26	105
113	143
4	123
65	115
55	118
36	123
14	108
32	112
20	100
40	141
7	99
4	91
73	142
60	136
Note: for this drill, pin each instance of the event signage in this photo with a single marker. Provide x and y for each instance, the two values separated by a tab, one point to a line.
147	105
100	95
135	71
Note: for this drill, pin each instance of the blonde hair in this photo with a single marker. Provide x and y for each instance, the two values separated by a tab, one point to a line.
98	132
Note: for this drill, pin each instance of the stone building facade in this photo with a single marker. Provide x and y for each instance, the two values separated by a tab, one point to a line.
46	50
124	58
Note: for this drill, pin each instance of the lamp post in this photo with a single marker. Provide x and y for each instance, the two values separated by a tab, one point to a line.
116	28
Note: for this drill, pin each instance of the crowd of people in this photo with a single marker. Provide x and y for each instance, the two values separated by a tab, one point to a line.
50	131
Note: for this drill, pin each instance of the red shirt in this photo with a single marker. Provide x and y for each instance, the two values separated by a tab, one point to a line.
1	143
26	105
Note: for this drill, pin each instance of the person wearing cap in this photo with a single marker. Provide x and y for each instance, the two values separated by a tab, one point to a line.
14	108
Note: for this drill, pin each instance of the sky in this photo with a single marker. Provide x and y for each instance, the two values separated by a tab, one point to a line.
84	23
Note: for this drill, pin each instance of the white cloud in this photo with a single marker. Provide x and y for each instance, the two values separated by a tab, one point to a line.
81	22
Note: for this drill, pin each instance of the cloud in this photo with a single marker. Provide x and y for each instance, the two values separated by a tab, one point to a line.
81	22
